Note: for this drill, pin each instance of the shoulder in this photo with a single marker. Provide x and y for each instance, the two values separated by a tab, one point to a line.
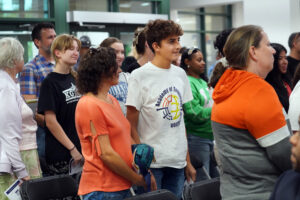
259	85
32	63
140	72
5	82
296	90
177	69
87	104
49	79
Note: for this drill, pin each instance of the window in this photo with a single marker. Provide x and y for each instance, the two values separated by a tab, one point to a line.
24	9
135	6
88	5
201	26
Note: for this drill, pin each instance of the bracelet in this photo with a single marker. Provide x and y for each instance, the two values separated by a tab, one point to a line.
72	148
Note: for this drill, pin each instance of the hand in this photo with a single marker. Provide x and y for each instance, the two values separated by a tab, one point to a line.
140	181
76	155
153	183
40	119
190	172
26	178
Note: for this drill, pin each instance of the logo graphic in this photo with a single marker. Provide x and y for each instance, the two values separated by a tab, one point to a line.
170	104
71	94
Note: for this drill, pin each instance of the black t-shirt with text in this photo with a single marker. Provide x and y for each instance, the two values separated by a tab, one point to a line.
58	93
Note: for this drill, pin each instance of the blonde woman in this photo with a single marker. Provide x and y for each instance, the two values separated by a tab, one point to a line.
57	101
247	117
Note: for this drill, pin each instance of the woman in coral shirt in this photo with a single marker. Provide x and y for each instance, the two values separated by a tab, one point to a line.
103	130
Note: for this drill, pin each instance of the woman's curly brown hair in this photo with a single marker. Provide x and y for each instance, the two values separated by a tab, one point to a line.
95	65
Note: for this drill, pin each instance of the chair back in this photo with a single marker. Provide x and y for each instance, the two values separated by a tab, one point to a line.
52	187
206	190
155	195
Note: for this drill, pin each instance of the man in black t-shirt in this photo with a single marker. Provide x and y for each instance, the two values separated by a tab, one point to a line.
294	57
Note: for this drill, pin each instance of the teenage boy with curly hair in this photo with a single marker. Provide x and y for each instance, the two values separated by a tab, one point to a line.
156	93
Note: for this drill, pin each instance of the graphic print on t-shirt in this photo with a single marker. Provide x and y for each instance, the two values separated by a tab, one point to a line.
169	103
119	91
71	94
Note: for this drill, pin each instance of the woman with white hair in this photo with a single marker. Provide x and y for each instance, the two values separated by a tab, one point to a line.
11	164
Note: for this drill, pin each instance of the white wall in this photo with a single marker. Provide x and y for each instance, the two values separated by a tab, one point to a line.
272	16
295	15
279	18
237	14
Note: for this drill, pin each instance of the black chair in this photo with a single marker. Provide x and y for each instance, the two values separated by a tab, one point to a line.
155	195
52	187
206	190
197	164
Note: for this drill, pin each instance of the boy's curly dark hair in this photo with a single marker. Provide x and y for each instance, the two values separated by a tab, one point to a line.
97	63
160	29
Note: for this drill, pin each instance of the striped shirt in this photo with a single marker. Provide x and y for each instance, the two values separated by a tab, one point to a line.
33	74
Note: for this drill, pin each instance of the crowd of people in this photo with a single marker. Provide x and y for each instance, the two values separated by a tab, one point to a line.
240	121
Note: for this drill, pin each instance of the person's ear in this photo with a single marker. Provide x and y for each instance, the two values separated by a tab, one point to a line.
186	61
37	42
294	43
57	53
253	53
155	46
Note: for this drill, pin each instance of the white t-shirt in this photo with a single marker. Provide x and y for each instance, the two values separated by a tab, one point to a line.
158	94
294	109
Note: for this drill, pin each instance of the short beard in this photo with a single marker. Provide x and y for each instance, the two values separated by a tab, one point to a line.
48	51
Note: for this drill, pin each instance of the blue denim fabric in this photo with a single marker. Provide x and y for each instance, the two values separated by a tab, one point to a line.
202	149
40	140
120	195
169	178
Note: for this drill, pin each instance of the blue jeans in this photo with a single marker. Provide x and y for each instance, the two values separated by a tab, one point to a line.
40	140
202	150
169	178
120	195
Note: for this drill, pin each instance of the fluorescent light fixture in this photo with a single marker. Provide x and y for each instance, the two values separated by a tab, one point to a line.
145	4
125	5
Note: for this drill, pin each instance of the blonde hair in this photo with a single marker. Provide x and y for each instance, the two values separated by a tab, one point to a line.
237	46
62	43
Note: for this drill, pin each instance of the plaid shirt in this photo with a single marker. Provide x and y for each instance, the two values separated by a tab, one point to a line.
33	74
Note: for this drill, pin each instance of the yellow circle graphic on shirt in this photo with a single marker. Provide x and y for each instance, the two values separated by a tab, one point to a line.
171	107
